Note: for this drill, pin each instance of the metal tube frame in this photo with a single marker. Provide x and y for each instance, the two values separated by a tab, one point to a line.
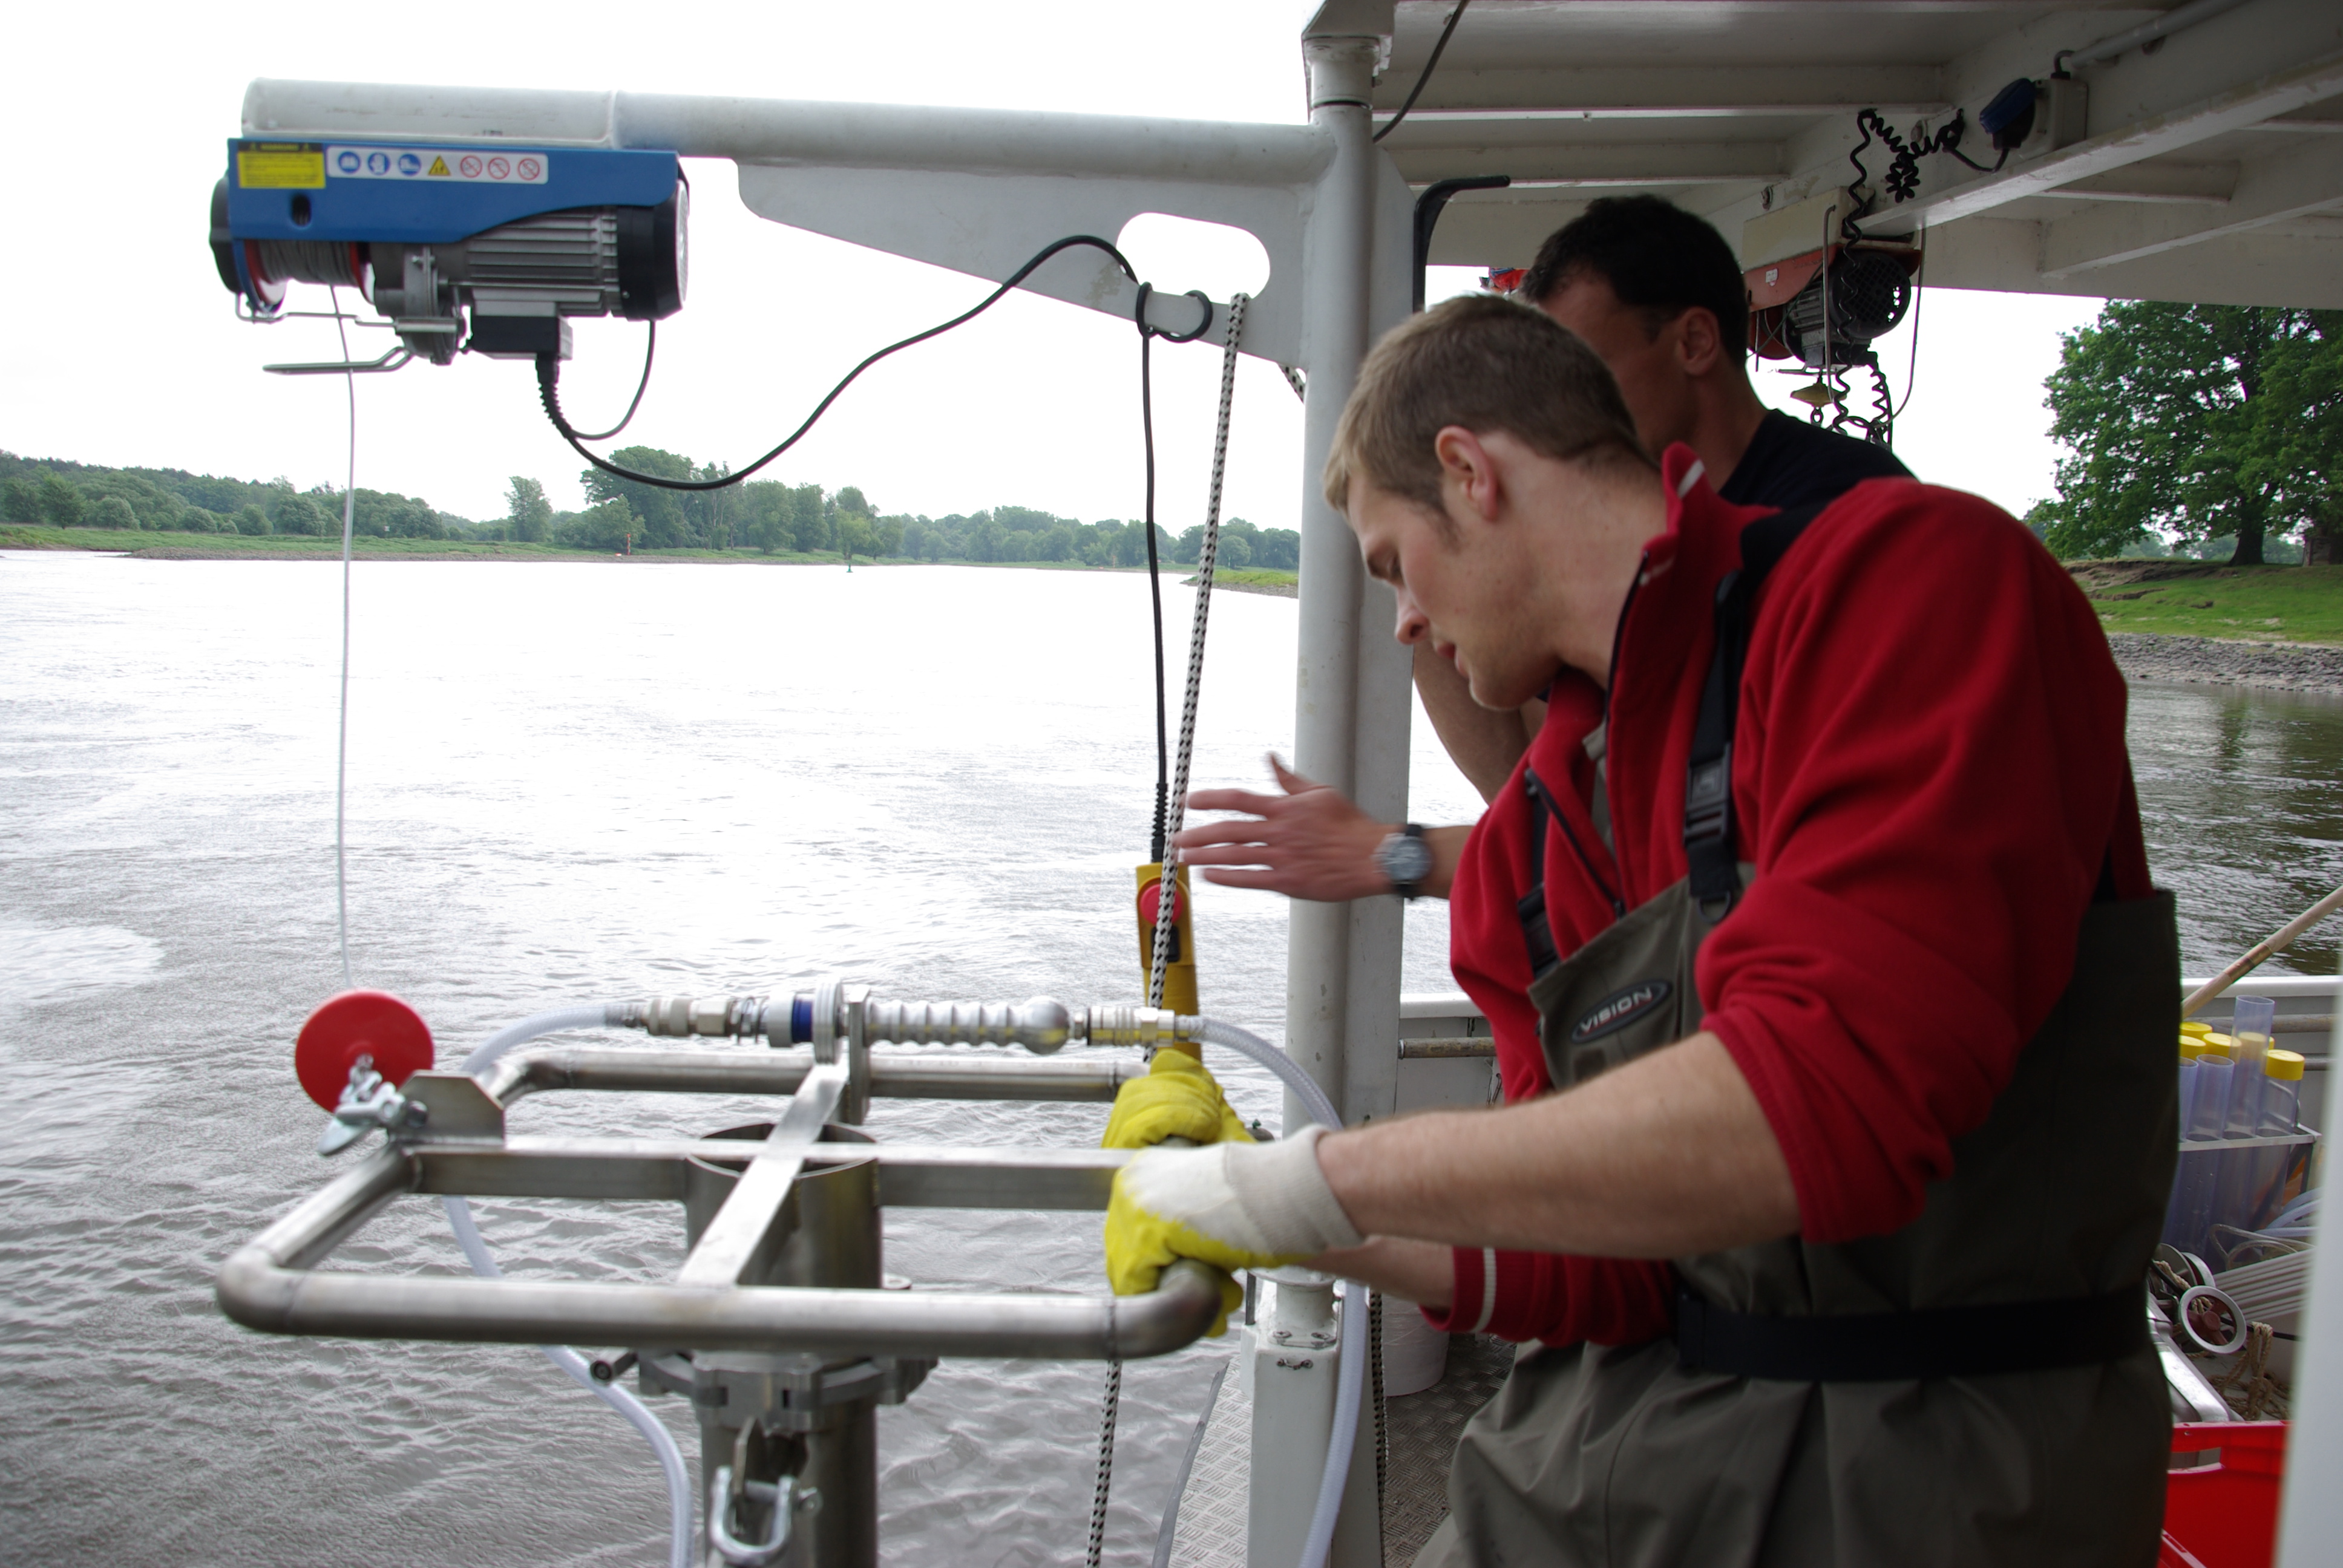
273	1283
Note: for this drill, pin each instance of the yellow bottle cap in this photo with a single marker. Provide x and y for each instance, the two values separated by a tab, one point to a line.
2196	1029
2285	1064
2191	1048
2225	1043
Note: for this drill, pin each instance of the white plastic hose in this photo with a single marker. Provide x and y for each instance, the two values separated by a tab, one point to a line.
1351	1386
475	1248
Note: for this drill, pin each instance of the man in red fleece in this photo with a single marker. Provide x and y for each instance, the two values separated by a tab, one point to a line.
1820	899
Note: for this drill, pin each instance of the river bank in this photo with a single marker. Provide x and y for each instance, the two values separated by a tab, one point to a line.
2212	661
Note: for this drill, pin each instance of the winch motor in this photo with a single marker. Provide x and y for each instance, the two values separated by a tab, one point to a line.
489	248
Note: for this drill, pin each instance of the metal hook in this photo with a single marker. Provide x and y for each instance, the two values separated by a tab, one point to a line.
391	360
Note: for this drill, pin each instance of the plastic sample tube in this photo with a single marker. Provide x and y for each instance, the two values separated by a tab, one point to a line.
2209	1109
2281	1101
2191	1047
2251	1029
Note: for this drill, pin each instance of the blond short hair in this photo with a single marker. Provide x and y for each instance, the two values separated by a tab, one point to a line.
1484	363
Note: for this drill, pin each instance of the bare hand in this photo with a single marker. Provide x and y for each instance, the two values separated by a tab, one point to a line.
1309	842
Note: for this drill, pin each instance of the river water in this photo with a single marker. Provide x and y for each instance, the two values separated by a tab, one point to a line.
578	781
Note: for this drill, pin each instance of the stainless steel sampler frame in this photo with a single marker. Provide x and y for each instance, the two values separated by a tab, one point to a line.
776	1325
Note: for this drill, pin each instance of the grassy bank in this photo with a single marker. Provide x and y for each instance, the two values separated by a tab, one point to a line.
1254	579
2189	599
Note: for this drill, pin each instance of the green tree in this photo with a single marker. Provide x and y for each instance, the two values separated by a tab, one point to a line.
292	513
252	520
663	521
61	501
113	512
527	513
810	520
2194	422
20	501
601	528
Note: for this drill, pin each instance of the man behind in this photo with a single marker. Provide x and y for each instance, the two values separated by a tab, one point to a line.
1657	293
1834	1013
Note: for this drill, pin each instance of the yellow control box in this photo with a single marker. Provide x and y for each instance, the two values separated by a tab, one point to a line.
1180	971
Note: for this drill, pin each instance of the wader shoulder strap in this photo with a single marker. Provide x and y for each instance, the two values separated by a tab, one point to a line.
1713	859
1537	932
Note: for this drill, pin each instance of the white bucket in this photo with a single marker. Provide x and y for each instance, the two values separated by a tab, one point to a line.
1416	1355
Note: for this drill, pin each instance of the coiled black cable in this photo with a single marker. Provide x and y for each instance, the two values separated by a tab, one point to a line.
650	349
548	376
1902	175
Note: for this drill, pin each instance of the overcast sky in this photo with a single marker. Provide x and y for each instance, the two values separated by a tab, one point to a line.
122	348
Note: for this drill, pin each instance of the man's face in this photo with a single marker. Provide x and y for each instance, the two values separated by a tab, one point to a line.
1651	373
1457	590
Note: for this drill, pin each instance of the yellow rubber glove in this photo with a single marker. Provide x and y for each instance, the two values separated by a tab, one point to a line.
1233	1206
1177	1099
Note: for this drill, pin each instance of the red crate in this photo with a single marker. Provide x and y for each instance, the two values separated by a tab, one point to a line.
2225	1515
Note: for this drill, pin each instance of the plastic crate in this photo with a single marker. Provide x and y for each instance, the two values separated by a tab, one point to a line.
2225	1515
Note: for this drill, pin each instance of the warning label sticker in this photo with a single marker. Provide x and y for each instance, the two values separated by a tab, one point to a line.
280	166
470	166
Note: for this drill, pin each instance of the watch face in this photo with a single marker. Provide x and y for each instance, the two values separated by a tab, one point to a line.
1406	858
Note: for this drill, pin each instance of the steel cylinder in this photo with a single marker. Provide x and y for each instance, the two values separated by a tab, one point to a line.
833	1242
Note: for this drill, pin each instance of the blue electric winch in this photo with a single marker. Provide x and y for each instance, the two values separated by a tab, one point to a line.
486	248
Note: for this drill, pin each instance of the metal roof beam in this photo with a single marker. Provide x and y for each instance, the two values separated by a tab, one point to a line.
1667	91
2154	136
2304	180
1651	162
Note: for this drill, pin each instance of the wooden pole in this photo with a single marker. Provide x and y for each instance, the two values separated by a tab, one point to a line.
2277	942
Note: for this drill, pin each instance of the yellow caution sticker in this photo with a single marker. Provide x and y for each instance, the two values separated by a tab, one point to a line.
280	167
438	167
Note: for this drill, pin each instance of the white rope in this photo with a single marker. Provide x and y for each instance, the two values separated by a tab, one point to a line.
342	743
1167	895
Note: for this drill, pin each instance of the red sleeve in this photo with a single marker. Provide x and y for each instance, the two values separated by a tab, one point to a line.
1558	1300
1932	754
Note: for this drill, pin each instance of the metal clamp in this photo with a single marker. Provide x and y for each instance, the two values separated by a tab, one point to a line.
781	1496
792	1393
369	1100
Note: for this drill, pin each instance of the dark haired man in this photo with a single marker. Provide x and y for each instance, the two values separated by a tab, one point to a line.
1812	1260
1656	292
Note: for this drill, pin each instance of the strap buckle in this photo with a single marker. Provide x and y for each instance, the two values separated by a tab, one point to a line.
1708	797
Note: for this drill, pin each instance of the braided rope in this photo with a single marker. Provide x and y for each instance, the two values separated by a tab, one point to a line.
1167	907
1105	1462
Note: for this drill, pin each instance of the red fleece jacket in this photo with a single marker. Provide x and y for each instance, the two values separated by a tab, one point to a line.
1928	774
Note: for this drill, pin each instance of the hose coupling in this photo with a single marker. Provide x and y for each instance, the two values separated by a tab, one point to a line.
729	1016
1148	1026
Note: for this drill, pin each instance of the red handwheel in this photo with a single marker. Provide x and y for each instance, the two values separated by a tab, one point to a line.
353	1024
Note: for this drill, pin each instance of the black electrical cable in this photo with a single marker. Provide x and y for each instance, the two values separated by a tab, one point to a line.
1154	576
1903	176
1425	76
650	347
548	376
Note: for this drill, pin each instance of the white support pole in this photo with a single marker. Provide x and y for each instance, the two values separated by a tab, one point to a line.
1340	957
2310	1518
1338	252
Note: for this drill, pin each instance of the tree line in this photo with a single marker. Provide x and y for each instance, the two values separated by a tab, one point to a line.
767	516
2205	430
70	495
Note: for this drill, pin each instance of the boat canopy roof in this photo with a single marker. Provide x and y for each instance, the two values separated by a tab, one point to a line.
2204	166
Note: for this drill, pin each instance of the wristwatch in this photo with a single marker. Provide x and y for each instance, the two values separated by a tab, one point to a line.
1405	859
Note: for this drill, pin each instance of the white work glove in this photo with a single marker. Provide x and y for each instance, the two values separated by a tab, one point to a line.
1232	1205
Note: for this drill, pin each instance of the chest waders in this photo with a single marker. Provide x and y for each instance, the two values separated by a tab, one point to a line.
1976	1387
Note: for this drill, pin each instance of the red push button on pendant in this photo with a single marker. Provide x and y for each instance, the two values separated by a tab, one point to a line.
353	1024
1152	899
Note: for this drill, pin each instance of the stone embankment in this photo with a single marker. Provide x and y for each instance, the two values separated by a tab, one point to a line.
2212	661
